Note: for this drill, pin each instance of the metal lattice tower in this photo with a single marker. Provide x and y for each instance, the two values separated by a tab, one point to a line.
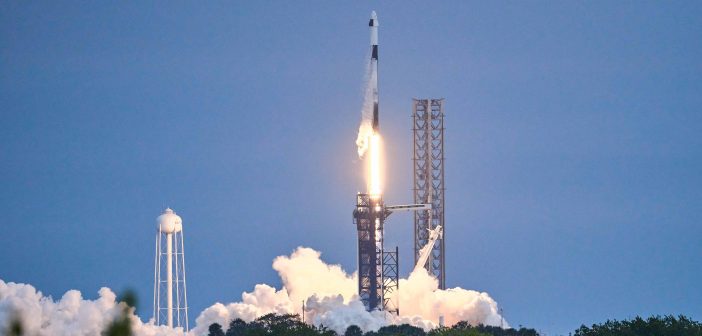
378	274
170	294
391	281
429	187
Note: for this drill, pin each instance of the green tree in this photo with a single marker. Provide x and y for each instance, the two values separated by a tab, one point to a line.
353	330
274	325
237	327
654	325
122	325
215	329
402	330
444	331
464	328
14	326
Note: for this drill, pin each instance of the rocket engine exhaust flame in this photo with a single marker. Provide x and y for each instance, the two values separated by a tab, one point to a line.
374	178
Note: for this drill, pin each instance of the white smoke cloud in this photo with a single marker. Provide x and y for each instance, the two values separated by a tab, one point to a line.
330	299
420	297
71	315
305	277
304	274
329	294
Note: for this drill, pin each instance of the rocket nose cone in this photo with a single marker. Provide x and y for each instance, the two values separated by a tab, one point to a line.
373	20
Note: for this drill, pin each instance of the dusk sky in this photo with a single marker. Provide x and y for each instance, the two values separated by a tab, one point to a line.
573	145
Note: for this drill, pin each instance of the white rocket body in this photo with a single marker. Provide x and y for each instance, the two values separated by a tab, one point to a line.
373	24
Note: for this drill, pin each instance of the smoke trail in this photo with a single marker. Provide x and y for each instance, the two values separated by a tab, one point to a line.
365	129
329	294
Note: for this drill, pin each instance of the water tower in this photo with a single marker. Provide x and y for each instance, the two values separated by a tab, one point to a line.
170	299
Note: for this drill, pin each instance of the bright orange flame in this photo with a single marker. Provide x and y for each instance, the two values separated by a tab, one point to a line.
375	165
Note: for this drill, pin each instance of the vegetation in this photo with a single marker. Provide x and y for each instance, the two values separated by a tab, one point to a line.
121	325
653	326
464	329
392	330
14	327
284	325
270	324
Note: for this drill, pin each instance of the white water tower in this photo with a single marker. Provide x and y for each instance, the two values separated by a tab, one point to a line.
170	299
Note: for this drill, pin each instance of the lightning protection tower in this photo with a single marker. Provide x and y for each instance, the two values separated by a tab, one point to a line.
428	166
170	294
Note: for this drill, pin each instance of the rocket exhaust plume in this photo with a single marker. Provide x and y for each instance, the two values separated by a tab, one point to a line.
374	163
365	129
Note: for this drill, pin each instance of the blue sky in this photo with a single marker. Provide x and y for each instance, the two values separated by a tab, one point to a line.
573	145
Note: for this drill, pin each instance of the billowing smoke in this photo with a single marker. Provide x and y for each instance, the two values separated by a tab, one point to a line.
420	297
71	315
330	299
365	129
329	294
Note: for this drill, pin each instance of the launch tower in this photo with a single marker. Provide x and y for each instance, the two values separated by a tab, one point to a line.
428	166
378	269
378	274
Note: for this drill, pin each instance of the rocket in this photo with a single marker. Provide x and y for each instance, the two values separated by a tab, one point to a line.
373	24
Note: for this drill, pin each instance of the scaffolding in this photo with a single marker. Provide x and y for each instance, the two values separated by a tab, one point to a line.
378	270
429	187
391	281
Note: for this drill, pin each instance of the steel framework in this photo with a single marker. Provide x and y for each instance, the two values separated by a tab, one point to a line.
391	281
377	269
429	187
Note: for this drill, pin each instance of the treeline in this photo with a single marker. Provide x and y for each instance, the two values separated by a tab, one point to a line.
654	326
289	325
283	325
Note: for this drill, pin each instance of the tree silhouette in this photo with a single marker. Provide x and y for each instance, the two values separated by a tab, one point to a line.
353	330
215	330
122	325
655	325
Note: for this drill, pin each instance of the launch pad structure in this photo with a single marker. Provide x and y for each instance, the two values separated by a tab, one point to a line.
429	186
378	269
